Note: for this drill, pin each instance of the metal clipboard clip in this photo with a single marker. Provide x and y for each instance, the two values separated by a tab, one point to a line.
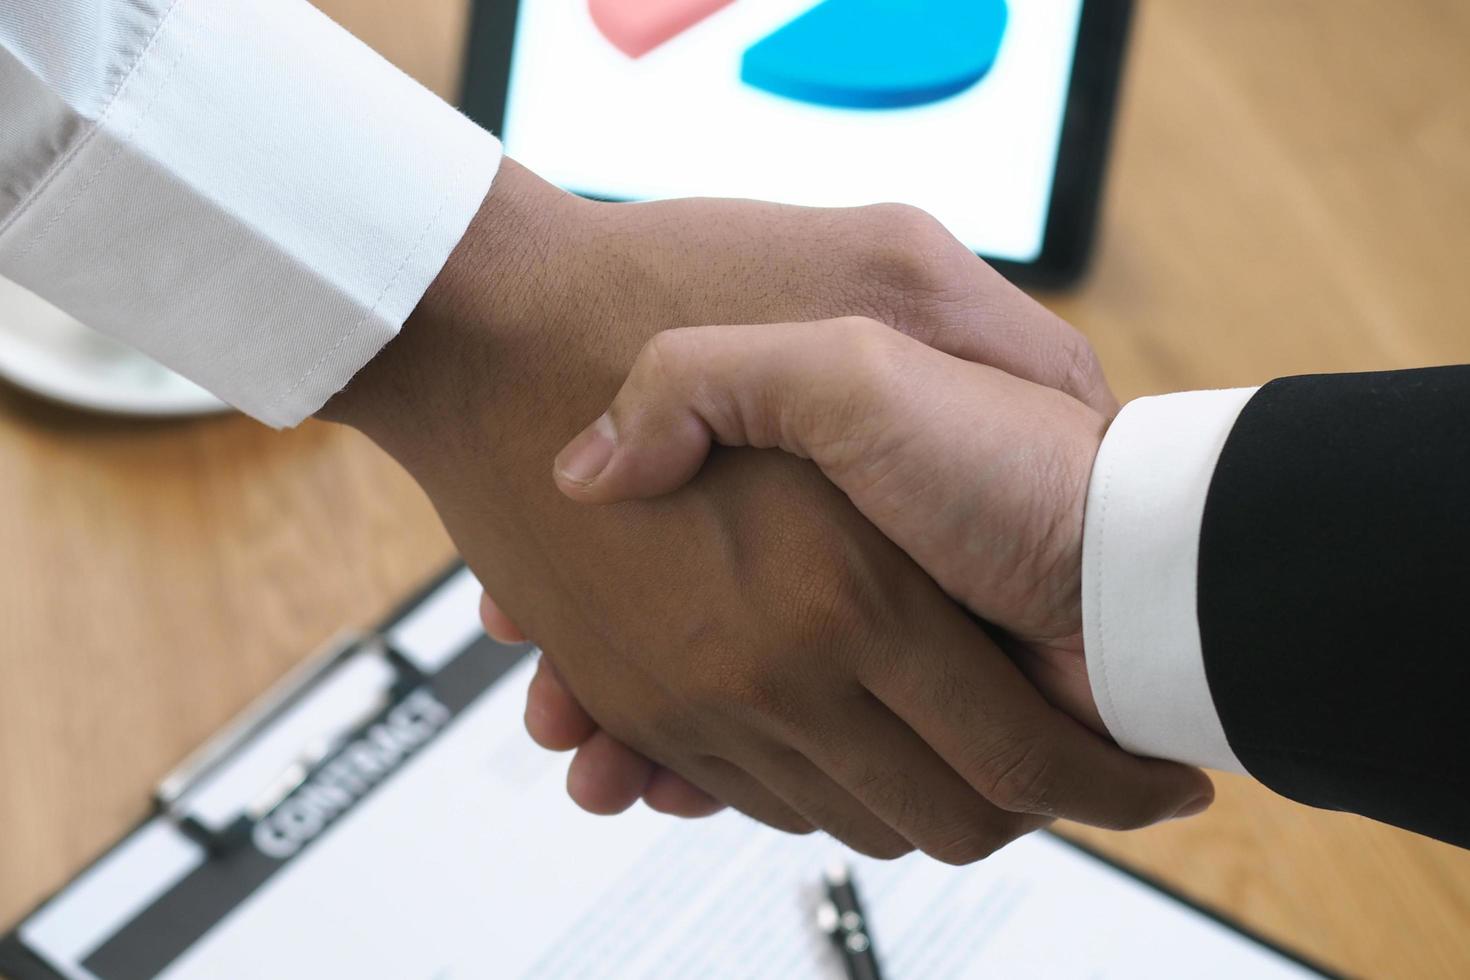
305	751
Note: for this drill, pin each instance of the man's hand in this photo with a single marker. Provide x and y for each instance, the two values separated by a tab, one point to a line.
979	476
753	632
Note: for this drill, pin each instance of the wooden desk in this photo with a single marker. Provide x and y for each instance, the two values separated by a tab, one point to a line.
1291	192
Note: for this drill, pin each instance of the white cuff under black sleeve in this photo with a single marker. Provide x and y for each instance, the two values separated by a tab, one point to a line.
238	188
1140	562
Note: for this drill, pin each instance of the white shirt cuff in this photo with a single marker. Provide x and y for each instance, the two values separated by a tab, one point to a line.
1140	566
240	189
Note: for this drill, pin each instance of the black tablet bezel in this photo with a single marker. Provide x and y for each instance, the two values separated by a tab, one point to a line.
1092	95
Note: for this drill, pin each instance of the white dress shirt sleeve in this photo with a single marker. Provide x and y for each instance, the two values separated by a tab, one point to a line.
238	188
1140	566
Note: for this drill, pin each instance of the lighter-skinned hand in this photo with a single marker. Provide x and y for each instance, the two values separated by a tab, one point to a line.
979	476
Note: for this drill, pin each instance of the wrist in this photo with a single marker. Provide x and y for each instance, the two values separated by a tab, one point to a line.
477	326
1059	665
1077	452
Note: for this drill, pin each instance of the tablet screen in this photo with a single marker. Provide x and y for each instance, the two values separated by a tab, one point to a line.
955	106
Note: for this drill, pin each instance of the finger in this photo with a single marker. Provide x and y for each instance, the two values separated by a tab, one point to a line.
726	781
497	624
668	792
1015	749
826	805
905	783
798	387
554	718
602	781
607	777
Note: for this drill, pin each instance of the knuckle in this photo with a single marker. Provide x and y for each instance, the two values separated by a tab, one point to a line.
753	690
836	414
897	794
835	609
665	353
713	773
911	248
832	809
823	592
1082	371
869	345
855	329
904	221
1017	776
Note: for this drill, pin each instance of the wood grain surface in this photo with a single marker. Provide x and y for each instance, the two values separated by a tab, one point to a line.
1290	192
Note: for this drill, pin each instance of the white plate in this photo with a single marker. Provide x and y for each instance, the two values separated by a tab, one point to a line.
52	355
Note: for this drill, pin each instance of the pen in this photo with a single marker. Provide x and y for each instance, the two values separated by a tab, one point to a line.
841	917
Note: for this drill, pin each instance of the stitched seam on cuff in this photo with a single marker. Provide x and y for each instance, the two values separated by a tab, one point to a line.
449	195
1102	632
65	160
123	141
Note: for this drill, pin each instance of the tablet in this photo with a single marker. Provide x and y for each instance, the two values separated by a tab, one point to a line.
992	115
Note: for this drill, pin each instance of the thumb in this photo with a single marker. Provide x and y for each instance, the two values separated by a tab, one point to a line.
804	388
979	476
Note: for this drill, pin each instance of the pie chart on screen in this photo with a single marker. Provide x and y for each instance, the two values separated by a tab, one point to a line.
857	54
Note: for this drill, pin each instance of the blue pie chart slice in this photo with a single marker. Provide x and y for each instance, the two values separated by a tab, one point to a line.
878	54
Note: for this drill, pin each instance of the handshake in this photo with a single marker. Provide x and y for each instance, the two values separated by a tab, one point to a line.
874	626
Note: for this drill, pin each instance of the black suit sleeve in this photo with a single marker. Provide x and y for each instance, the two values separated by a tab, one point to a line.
1334	594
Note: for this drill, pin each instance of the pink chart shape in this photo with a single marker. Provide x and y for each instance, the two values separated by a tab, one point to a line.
636	27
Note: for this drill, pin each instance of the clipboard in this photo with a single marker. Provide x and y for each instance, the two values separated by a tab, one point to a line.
237	810
278	849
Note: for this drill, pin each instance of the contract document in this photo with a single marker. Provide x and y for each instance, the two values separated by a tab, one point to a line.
432	840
